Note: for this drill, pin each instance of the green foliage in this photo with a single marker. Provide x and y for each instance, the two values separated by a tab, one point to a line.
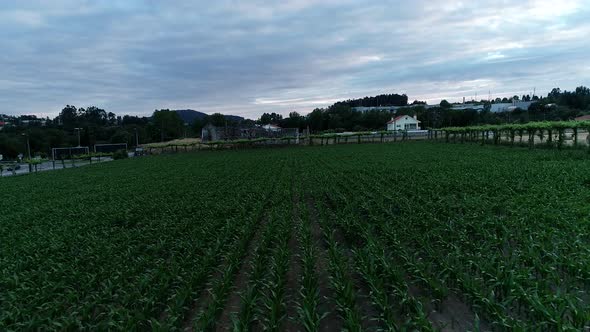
34	161
375	236
393	99
168	124
530	126
120	154
217	119
267	118
577	99
445	104
121	136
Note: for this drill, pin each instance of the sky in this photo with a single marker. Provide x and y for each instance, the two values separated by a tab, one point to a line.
249	57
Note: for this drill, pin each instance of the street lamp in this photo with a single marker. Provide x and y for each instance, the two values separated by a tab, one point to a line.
78	129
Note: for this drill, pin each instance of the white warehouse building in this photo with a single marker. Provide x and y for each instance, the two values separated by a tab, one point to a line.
403	122
509	107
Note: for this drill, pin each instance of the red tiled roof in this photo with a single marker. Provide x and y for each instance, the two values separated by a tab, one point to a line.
583	118
395	119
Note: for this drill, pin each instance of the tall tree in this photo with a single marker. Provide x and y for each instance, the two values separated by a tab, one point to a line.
69	116
217	119
268	118
445	104
168	123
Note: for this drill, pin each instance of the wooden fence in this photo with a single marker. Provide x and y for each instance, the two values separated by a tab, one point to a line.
558	134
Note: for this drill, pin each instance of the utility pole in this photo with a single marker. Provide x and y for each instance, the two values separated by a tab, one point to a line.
78	129
136	138
28	152
395	126
28	145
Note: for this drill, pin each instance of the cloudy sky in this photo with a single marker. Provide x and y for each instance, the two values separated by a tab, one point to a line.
249	57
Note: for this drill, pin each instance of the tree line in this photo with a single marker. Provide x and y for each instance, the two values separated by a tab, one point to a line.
97	125
380	100
341	116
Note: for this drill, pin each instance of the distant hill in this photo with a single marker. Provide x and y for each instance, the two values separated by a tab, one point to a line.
234	118
189	116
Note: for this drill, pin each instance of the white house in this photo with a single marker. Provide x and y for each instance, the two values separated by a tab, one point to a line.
403	122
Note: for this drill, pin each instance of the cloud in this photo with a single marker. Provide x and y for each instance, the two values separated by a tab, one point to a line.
23	18
249	57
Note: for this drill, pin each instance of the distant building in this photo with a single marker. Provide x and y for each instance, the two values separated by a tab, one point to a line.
388	108
509	107
375	108
213	133
583	118
2	124
228	133
403	122
271	127
31	122
475	107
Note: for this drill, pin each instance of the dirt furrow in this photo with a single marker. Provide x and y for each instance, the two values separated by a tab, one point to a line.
331	322
294	273
240	283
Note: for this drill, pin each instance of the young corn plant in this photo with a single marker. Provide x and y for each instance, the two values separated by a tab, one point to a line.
250	296
273	302
222	286
308	308
343	287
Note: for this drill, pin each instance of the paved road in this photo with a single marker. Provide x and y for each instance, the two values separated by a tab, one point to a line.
49	166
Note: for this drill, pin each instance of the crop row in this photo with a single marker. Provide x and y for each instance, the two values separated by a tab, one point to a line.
510	275
99	256
415	236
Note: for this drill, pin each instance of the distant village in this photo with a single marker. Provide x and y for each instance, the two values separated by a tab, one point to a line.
391	112
273	129
21	121
492	107
404	122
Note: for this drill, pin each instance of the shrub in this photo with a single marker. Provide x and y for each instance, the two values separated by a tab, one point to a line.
120	154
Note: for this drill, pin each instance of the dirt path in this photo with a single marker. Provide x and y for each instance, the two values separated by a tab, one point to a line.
455	315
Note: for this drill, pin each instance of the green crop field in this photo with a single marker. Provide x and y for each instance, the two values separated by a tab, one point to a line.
407	236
